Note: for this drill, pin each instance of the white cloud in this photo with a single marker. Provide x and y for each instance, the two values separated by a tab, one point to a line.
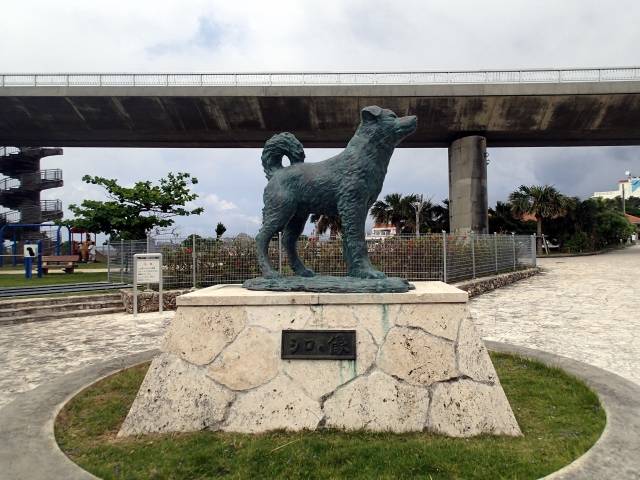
222	35
218	204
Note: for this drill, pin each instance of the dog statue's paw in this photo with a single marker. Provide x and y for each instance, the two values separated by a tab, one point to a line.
367	273
271	274
305	272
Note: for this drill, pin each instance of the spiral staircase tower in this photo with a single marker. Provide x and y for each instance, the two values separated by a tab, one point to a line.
22	183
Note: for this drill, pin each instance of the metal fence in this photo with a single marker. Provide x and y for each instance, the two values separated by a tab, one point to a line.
548	75
198	262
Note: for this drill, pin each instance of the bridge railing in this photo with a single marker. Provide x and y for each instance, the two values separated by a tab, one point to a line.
5	151
319	78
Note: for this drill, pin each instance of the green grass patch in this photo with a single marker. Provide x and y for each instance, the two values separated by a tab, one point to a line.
18	280
559	416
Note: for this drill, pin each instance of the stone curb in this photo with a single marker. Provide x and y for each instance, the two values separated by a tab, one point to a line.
481	285
29	450
581	254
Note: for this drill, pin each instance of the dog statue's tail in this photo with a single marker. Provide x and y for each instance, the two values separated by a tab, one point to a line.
278	146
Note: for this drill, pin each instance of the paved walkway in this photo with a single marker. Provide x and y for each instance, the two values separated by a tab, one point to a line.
586	308
33	353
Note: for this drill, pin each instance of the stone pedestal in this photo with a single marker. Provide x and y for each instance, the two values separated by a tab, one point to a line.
420	366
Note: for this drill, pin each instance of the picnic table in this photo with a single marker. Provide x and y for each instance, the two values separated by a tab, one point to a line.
68	262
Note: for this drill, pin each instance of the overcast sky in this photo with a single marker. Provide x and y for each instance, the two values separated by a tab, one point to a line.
234	36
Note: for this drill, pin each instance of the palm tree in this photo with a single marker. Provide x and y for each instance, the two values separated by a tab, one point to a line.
540	201
395	210
220	229
327	222
400	212
503	220
440	217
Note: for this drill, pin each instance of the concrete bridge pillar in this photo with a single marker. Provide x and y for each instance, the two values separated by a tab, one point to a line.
468	201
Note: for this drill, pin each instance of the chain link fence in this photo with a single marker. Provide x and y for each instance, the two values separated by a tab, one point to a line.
194	262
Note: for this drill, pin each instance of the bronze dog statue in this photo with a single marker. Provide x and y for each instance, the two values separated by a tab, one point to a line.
344	185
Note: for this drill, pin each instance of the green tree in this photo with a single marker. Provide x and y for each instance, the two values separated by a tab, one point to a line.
440	217
131	212
541	201
503	220
324	223
612	227
396	210
589	225
399	211
220	229
191	239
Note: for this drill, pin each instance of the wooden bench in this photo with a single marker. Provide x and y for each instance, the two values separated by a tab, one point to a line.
69	262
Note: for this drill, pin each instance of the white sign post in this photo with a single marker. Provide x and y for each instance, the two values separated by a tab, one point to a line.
147	268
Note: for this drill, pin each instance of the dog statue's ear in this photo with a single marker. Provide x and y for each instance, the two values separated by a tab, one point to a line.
370	114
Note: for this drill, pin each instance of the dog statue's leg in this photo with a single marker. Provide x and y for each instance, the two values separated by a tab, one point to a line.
290	239
274	219
354	245
262	248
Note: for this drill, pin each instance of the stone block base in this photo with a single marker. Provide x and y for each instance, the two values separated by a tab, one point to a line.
148	301
420	366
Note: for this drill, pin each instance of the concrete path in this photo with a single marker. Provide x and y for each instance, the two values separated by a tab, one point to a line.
585	308
34	353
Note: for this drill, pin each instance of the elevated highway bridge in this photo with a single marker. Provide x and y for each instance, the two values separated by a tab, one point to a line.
463	111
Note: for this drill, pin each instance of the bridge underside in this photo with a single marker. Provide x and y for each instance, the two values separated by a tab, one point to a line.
245	117
466	118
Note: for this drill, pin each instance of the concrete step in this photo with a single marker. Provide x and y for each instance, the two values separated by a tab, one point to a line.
59	315
38	310
76	288
74	299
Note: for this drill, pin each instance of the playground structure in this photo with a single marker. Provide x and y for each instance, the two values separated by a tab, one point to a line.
25	221
22	183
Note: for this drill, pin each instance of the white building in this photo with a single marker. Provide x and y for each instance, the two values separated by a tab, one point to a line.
381	231
631	189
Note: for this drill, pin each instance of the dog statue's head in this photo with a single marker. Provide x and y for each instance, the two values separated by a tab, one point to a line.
384	126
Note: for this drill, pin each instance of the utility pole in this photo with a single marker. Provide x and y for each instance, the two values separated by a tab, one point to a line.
418	205
628	175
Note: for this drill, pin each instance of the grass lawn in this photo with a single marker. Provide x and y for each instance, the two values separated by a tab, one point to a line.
559	416
11	280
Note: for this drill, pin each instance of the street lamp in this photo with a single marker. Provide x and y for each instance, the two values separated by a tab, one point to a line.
418	205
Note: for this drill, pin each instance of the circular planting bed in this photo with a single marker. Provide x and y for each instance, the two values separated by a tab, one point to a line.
559	416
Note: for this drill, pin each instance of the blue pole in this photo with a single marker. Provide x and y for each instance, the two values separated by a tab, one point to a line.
58	240
2	247
14	249
39	258
28	264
